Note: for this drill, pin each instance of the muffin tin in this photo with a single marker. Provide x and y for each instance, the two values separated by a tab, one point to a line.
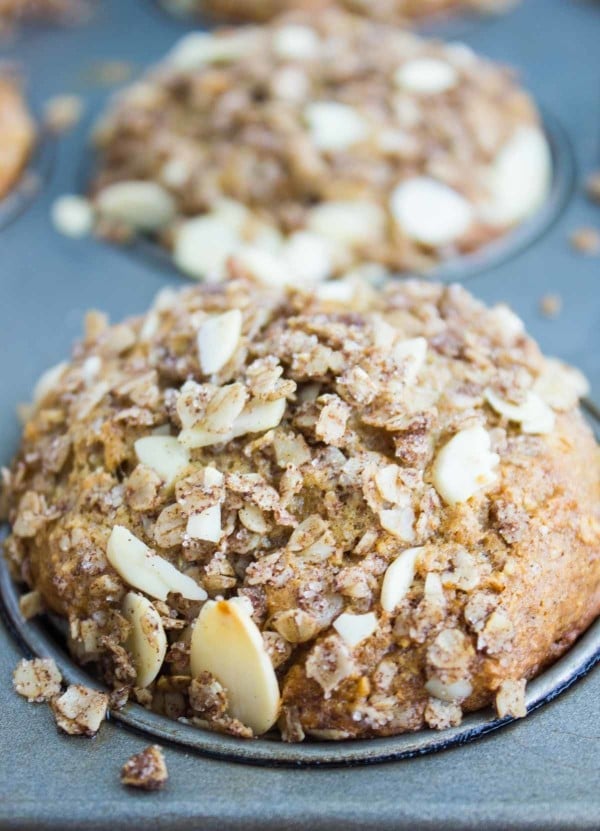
540	772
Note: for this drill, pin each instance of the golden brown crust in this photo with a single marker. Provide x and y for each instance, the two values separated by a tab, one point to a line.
316	506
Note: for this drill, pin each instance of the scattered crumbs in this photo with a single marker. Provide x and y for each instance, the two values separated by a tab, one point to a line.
146	770
586	241
63	112
72	216
31	604
593	186
80	710
37	680
551	305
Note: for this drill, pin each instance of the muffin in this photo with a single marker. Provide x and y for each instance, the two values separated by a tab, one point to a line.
312	144
341	512
17	134
396	11
12	11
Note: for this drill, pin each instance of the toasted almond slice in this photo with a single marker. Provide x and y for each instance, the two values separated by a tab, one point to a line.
295	42
398	579
349	223
309	257
164	454
426	76
197	49
227	643
146	206
533	414
203	245
265	266
399	522
47	381
335	126
465	465
72	216
560	386
205	525
519	177
147	641
414	352
457	691
257	417
355	628
217	339
430	212
253	519
141	568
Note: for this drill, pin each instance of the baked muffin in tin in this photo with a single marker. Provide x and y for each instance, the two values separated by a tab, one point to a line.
315	143
339	511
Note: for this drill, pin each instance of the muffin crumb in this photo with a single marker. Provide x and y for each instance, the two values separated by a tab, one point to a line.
37	680
146	770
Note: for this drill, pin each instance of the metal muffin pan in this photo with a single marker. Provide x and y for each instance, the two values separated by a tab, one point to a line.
540	772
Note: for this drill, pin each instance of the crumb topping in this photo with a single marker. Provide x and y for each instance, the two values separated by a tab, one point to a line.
351	510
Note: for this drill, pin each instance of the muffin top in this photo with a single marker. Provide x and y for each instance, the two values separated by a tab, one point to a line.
314	143
380	508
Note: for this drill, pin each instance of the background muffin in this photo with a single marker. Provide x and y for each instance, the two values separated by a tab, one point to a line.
313	144
397	11
354	512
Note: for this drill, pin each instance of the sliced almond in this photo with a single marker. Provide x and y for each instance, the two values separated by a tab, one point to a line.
465	465
430	212
560	386
205	525
398	579
200	48
457	691
147	641
48	381
164	454
309	257
335	126
348	223
257	417
295	42
145	206
141	568
533	414
399	522
203	245
227	643
355	628
519	178
413	351
217	340
426	76
253	519
264	266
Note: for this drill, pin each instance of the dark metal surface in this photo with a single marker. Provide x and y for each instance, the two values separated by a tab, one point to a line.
541	772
